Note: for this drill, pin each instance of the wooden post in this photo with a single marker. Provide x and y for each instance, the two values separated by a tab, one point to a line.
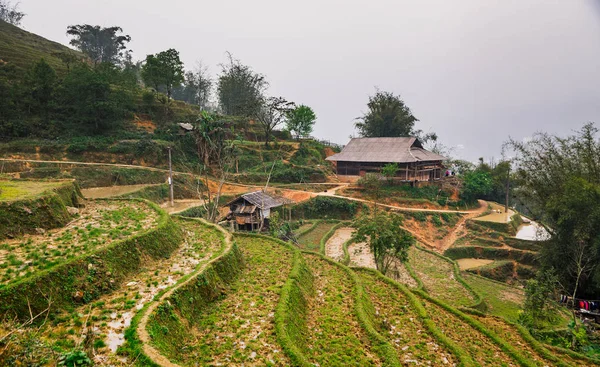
171	180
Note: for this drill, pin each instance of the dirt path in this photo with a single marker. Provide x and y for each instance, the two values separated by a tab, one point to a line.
402	208
233	184
180	205
449	240
334	248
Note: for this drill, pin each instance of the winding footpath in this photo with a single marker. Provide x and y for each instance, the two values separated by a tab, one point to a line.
330	193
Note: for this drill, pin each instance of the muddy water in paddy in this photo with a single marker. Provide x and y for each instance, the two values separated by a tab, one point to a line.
106	192
465	264
532	232
334	246
360	255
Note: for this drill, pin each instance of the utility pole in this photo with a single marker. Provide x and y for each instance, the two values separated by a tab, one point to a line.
507	188
170	180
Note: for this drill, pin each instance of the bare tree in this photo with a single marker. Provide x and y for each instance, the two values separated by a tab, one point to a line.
272	114
10	13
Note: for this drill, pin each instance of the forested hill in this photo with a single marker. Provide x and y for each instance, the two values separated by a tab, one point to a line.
22	49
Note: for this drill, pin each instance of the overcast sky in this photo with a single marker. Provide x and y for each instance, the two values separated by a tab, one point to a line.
475	72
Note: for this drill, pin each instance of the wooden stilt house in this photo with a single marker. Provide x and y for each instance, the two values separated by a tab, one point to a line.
364	155
251	211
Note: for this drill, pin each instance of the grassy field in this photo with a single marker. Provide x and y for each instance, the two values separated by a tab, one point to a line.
396	319
23	189
336	337
98	224
438	277
311	240
239	328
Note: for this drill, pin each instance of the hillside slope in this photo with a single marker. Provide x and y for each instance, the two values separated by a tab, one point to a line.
22	49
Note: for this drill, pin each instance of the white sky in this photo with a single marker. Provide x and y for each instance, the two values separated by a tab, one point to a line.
473	71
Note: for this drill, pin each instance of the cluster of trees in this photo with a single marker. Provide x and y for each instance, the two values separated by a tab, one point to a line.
488	181
103	85
559	183
44	102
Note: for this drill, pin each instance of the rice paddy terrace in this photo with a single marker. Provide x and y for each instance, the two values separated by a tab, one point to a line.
120	282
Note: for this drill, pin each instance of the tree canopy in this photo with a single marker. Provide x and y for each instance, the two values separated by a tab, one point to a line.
240	89
559	183
99	43
163	69
387	240
300	121
388	116
10	13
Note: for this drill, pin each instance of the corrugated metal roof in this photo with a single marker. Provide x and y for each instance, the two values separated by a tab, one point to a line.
384	150
263	200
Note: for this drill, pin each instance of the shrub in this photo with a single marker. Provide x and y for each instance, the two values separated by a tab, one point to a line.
326	207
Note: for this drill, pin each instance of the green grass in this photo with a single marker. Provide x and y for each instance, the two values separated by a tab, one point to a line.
312	240
99	224
502	299
336	337
21	48
438	278
24	189
397	321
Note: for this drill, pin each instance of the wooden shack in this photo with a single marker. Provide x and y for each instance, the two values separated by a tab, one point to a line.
364	155
251	211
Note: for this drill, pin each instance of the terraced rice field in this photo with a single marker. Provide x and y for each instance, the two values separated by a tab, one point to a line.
108	317
312	240
239	328
397	321
502	300
98	224
334	248
336	337
24	189
481	348
399	273
438	278
361	255
509	332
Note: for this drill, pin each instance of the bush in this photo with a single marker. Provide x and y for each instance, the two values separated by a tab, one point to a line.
326	207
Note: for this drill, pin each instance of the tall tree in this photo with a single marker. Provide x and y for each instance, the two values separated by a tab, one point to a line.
559	183
41	81
300	121
271	114
10	13
388	241
88	96
100	44
163	69
196	88
388	116
240	89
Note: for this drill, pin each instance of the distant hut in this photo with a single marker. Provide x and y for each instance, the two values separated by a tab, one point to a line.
185	127
252	211
364	155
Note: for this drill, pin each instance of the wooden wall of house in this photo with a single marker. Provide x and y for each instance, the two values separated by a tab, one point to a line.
419	171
